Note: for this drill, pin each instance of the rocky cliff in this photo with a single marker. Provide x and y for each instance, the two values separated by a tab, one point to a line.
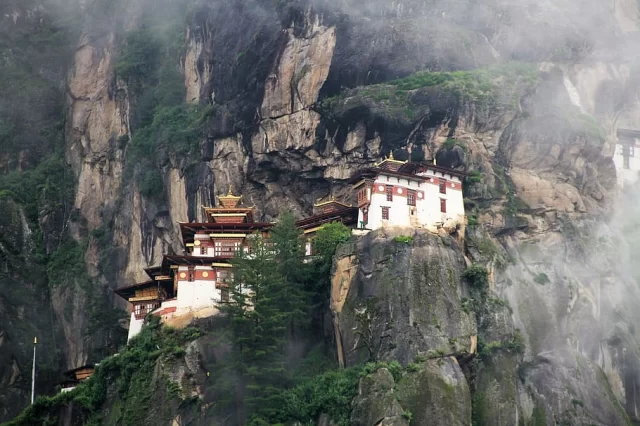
169	103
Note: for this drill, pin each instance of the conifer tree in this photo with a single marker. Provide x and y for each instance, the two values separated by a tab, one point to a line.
266	303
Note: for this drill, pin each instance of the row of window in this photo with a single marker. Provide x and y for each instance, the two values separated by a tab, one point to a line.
386	210
411	194
143	309
222	249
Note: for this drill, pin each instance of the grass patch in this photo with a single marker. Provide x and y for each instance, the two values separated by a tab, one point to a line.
403	239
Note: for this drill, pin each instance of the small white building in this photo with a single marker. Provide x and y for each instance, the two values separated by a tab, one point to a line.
399	193
627	157
196	283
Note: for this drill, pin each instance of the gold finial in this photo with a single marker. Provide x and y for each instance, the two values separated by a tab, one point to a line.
435	163
391	156
230	192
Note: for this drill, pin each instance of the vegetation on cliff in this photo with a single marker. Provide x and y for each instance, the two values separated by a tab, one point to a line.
405	99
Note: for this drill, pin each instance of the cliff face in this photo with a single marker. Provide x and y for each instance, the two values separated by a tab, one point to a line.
299	95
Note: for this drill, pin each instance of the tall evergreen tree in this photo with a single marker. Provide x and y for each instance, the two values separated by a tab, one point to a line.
267	301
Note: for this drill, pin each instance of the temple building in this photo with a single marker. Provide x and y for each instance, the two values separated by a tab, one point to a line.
326	212
625	158
197	281
401	193
392	193
76	376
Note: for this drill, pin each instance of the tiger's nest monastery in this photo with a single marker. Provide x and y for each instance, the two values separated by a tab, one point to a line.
392	193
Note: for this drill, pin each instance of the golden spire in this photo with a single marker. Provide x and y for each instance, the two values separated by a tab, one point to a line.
435	163
230	201
391	156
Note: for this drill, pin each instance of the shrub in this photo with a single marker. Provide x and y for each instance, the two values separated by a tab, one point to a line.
477	276
403	239
542	278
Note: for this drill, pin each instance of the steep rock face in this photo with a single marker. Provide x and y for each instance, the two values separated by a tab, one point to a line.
376	403
394	300
26	313
436	394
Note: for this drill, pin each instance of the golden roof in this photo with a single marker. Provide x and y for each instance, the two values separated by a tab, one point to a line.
229	200
390	159
332	200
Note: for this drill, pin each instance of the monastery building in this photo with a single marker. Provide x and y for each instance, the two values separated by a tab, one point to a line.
392	193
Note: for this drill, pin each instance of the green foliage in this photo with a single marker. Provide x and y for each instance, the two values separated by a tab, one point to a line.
130	374
66	265
539	416
163	126
475	176
175	130
477	276
451	143
403	239
541	278
513	345
472	221
139	57
499	85
267	308
330	393
329	237
394	368
407	415
318	282
479	409
481	83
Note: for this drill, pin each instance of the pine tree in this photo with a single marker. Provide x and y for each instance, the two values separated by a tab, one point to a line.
267	303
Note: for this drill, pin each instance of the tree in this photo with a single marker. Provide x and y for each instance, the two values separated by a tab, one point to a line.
267	300
327	239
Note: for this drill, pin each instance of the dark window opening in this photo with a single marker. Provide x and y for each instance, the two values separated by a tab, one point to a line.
385	213
389	193
191	274
411	197
443	205
443	186
203	250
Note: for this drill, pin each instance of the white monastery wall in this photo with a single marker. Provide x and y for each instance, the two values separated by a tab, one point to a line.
428	205
631	174
135	325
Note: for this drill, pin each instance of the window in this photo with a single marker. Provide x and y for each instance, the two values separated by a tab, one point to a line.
226	248
223	276
224	295
443	205
389	193
191	274
365	216
385	213
443	186
143	309
203	250
411	197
